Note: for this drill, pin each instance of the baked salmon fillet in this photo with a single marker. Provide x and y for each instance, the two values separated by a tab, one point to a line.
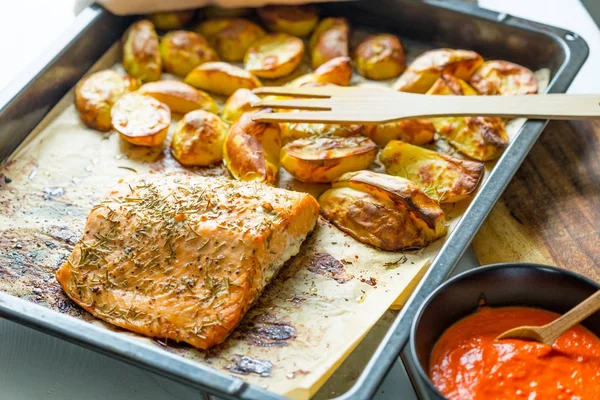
182	257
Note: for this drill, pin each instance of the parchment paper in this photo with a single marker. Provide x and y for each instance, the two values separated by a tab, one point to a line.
306	322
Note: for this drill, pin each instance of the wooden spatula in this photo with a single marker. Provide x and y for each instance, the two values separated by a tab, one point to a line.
346	105
547	334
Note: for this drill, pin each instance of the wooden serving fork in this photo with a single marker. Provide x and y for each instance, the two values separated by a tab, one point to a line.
348	105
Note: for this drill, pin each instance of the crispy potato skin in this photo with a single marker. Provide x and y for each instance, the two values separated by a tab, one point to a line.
180	97
141	120
443	178
415	131
171	20
182	51
141	55
380	57
95	95
503	77
481	138
238	103
291	130
251	150
329	40
198	139
422	73
324	159
337	71
385	211
231	36
295	20
274	55
221	78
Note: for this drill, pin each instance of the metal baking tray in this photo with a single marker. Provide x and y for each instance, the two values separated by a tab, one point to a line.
31	96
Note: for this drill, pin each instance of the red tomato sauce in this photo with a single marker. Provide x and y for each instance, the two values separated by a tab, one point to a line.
468	363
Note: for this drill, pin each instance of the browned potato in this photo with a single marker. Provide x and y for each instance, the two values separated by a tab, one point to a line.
481	138
415	131
329	40
171	19
422	73
443	178
251	150
274	55
198	139
503	77
380	57
231	36
387	212
183	51
238	103
324	159
337	71
221	78
295	20
180	97
141	120
141	55
96	93
292	130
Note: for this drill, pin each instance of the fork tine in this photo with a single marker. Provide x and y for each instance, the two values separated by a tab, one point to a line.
305	116
291	91
306	104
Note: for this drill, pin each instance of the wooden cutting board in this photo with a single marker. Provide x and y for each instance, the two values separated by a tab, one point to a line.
550	213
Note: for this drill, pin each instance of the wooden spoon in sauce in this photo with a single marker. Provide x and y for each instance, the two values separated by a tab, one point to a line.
548	333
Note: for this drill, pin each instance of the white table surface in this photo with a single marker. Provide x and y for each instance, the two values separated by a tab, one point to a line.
36	366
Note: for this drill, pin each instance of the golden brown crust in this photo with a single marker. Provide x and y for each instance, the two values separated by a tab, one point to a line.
504	78
324	159
251	149
141	120
178	96
158	260
292	19
238	103
171	19
231	36
198	139
182	51
221	78
380	57
388	212
329	40
141	54
415	131
274	55
96	93
443	178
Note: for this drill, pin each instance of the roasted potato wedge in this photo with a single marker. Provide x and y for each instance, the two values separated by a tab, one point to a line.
291	130
182	51
380	57
415	131
221	78
274	55
180	97
443	178
481	138
422	73
141	55
329	40
251	149
238	103
295	20
387	212
96	93
324	159
230	36
141	120
171	19
503	77
337	71
198	139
